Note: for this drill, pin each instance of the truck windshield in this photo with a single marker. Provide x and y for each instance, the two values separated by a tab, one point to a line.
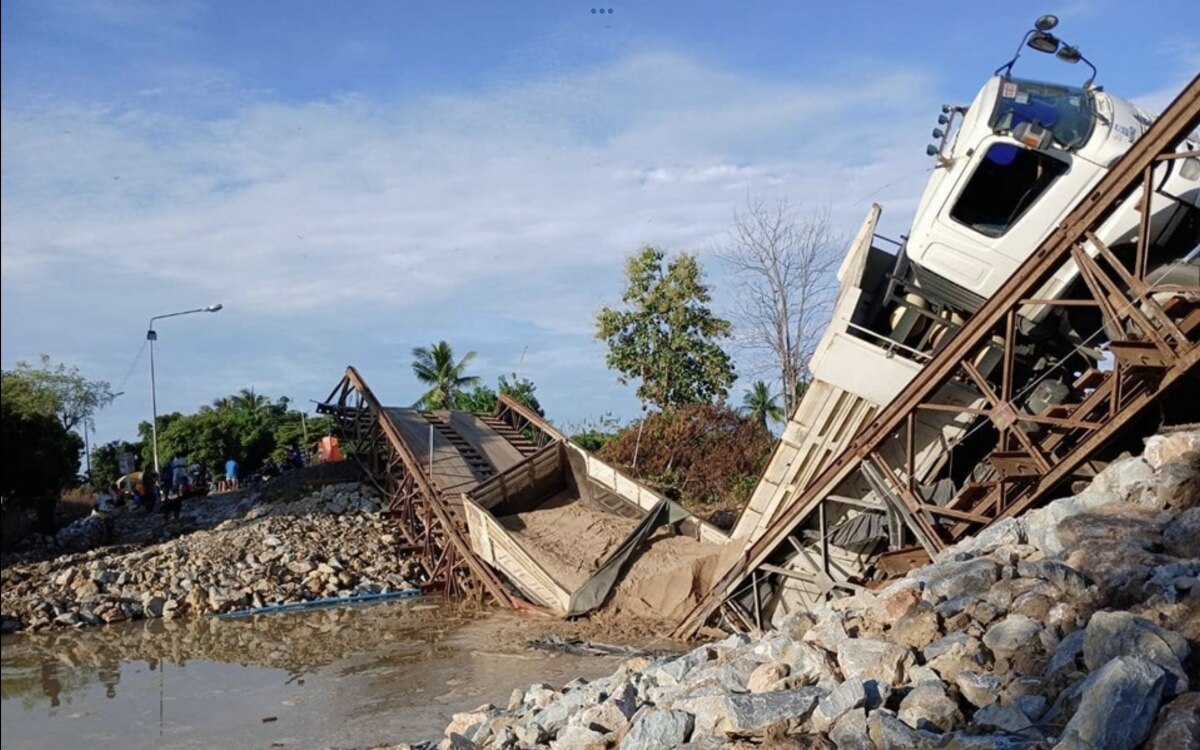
1008	180
1064	110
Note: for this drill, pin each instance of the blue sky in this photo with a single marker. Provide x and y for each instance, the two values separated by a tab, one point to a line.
355	179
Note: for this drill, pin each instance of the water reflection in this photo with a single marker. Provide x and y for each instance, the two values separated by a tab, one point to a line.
296	643
350	676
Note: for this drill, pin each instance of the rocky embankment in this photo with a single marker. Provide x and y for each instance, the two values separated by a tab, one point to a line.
331	543
1075	626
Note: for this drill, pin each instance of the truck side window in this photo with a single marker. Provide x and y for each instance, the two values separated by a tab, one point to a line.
1005	184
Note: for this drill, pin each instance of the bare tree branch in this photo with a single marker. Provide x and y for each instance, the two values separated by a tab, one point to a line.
785	263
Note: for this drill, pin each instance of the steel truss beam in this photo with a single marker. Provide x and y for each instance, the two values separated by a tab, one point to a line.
1033	454
430	528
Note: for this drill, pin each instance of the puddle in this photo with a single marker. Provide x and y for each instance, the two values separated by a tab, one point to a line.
384	673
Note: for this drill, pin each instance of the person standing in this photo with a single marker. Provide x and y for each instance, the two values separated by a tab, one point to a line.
231	474
149	489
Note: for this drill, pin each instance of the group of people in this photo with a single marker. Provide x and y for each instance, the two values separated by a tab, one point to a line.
147	489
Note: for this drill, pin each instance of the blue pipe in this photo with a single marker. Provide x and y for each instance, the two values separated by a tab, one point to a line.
315	603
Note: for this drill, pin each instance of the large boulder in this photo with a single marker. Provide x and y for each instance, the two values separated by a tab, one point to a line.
1178	725
1012	634
1161	449
869	659
846	697
1113	634
979	688
657	729
1181	538
1176	484
1117	706
956	577
1041	525
928	707
748	714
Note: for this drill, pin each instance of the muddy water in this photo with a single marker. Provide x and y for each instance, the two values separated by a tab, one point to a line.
335	677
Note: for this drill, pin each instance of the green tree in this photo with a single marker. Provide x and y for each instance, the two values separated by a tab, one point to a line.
666	336
761	405
479	400
435	368
703	455
521	390
39	460
55	390
248	402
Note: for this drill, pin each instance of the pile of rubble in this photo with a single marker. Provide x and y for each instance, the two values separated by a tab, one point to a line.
1075	626
332	543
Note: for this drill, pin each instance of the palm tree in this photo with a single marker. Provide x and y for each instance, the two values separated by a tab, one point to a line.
435	367
761	405
249	402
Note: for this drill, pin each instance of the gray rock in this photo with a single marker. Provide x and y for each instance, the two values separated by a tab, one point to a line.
948	579
870	659
928	707
1011	634
1182	537
1006	718
953	642
658	729
1007	532
808	665
1067	654
751	713
709	711
849	695
1112	634
877	694
1033	706
576	737
850	731
1117	706
154	606
1041	525
827	633
888	732
1178	725
979	689
1176	484
1066	579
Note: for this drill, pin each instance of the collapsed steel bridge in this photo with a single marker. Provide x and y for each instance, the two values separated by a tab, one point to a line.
422	491
1155	348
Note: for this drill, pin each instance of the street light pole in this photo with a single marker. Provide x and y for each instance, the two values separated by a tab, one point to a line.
152	336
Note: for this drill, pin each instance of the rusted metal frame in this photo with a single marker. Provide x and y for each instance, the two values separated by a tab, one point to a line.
1082	451
911	501
962	515
1087	272
1006	373
1114	295
1140	291
432	497
909	454
536	420
1143	245
1018	416
981	382
1179	119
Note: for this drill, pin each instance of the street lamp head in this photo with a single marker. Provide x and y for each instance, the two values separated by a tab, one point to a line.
214	308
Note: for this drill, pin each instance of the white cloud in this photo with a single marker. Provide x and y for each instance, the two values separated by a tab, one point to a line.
336	230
